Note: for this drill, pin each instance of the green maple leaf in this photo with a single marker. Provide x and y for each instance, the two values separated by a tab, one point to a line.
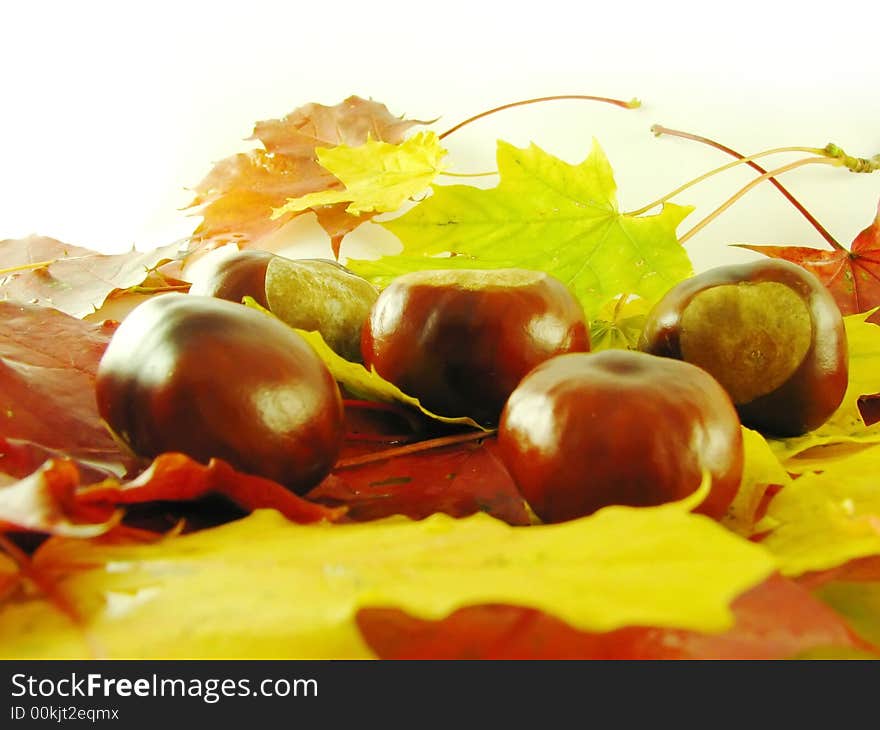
548	215
379	177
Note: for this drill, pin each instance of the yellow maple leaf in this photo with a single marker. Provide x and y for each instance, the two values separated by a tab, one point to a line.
379	177
825	519
265	587
846	424
761	469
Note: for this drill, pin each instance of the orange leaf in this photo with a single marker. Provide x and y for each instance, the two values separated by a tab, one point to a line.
176	477
238	196
45	502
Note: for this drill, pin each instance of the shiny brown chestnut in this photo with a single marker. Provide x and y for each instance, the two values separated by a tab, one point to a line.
210	378
461	340
768	331
310	294
585	431
234	277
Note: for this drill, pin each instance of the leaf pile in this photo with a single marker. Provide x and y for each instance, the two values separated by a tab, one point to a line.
238	197
548	215
418	544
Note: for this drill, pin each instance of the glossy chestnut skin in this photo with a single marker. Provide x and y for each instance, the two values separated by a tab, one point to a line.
240	275
793	401
461	340
210	378
585	431
308	294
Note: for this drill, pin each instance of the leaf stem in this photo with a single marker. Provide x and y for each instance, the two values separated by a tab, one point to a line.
27	267
469	174
754	183
618	307
139	289
380	438
659	130
632	104
853	164
412	449
723	168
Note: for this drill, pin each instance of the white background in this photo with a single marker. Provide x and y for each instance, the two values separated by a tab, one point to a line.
109	111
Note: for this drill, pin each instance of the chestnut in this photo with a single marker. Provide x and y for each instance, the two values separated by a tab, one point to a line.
584	431
322	295
309	294
460	340
768	331
210	378
234	277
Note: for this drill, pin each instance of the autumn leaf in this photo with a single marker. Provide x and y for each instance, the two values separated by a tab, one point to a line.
40	270
199	593
852	275
119	303
845	426
761	470
176	477
45	502
858	603
825	519
9	577
58	499
547	215
378	177
350	123
458	480
48	362
618	324
20	458
775	620
237	197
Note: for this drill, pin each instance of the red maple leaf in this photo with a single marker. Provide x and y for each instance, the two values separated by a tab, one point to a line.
458	480
777	619
852	275
48	365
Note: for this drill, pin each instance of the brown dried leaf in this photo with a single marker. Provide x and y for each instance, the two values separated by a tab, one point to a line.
73	279
48	362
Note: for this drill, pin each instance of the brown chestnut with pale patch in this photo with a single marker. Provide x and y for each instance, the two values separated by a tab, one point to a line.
585	431
234	277
768	331
461	340
210	378
309	294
